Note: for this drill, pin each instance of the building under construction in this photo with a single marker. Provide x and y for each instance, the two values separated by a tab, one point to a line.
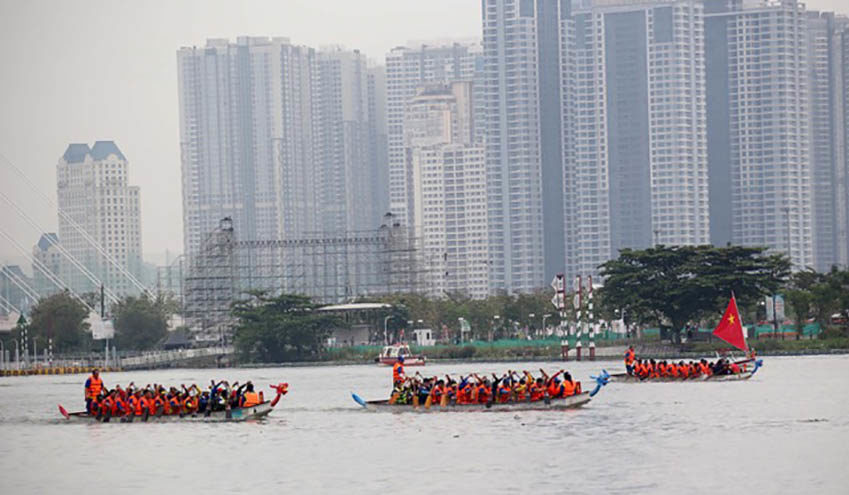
328	268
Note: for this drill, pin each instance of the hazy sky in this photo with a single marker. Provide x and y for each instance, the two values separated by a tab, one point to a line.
80	71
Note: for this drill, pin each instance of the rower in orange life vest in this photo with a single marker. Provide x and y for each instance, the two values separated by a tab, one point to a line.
398	375
630	357
93	386
250	398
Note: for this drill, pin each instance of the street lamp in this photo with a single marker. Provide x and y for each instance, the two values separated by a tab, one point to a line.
494	322
386	330
544	317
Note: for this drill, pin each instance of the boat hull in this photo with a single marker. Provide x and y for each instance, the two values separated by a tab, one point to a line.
236	414
570	402
408	361
625	378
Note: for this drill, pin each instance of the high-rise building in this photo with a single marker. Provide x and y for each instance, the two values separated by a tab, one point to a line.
449	188
50	259
635	150
840	45
825	35
759	126
522	101
13	293
94	192
278	137
349	194
407	69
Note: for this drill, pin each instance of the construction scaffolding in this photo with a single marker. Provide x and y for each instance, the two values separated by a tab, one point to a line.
330	269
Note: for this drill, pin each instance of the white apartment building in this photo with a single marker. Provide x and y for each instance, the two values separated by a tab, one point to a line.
93	190
523	141
282	138
407	69
760	126
827	84
449	188
634	140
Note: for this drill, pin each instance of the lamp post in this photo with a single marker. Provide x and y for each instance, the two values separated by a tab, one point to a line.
494	323
544	317
386	330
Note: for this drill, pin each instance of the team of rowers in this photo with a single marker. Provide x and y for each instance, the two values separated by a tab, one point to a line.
157	400
649	368
473	389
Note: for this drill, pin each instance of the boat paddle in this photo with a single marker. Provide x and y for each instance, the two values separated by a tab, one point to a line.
64	412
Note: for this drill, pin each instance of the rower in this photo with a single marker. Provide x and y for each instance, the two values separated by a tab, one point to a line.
398	375
630	357
250	398
93	386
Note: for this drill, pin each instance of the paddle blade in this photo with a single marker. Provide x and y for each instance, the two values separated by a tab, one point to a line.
64	412
358	399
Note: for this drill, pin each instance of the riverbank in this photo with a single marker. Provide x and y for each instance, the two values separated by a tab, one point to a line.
365	355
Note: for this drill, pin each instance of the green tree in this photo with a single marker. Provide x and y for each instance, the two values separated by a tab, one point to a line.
673	286
140	322
281	328
62	318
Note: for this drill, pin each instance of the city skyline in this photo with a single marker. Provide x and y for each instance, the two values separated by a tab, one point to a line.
72	111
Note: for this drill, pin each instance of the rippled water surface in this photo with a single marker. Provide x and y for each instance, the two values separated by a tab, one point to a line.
784	431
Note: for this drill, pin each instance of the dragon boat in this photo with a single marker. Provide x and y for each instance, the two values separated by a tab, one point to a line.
257	411
743	375
556	404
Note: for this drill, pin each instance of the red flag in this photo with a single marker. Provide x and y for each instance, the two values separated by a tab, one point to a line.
730	328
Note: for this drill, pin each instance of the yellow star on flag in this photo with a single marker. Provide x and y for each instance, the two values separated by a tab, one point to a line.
731	319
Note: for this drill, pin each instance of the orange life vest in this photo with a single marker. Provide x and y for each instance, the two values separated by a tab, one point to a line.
568	388
397	372
95	385
250	399
537	392
483	394
630	355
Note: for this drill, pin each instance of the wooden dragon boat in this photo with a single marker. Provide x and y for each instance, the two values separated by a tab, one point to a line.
743	375
257	411
556	404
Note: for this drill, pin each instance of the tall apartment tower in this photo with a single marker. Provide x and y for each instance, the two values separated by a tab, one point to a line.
759	126
635	150
827	85
840	45
449	188
278	137
93	190
48	256
522	101
350	196
407	69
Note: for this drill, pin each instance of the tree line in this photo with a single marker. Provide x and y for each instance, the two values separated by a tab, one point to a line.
667	287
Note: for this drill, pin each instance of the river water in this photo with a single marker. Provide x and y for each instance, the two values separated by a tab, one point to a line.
784	431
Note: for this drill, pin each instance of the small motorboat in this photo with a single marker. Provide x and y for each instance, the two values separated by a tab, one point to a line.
390	353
